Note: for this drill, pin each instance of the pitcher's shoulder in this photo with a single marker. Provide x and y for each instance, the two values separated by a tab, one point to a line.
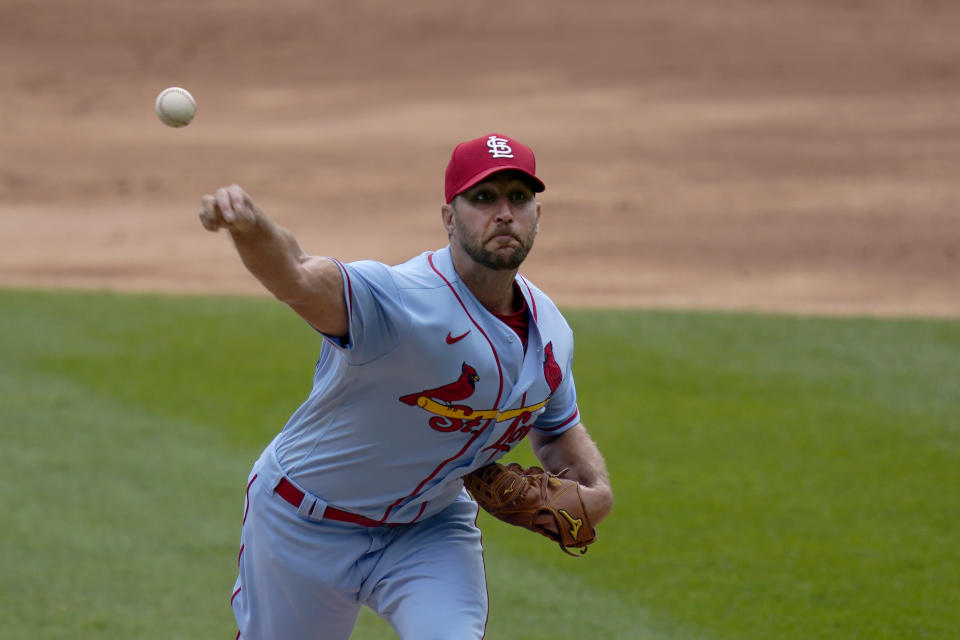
421	272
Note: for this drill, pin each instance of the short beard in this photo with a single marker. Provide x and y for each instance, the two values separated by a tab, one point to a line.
498	261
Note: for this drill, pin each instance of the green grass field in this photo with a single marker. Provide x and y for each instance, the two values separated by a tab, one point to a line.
776	476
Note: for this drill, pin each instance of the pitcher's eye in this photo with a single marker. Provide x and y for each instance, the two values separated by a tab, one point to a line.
520	196
484	195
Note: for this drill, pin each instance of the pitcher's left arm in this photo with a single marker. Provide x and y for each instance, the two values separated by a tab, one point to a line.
576	451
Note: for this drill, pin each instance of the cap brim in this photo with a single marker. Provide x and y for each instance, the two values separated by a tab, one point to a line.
536	182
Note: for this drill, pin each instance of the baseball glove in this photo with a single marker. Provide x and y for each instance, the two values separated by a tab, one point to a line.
534	499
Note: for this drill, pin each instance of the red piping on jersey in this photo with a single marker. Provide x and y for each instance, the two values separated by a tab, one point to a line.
533	303
564	423
246	507
475	435
246	510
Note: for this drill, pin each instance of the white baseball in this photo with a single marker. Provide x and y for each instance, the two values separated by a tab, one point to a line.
175	107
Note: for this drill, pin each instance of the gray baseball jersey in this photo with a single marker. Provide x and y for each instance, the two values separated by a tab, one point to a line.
427	387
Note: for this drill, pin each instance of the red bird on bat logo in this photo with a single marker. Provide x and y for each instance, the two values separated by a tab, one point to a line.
460	389
551	370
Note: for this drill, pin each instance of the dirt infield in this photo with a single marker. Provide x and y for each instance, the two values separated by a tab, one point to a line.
748	154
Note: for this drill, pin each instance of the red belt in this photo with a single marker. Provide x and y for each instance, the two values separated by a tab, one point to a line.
294	496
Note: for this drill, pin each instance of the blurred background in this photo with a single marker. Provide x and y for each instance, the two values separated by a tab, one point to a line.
775	155
777	476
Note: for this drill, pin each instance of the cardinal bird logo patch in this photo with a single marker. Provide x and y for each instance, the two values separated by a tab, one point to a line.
444	404
449	394
551	370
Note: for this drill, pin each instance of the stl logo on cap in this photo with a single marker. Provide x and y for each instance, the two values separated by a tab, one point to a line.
499	147
477	159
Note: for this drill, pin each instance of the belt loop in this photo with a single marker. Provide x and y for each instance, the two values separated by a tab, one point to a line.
312	508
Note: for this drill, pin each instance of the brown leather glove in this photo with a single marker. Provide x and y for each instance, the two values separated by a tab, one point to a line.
534	499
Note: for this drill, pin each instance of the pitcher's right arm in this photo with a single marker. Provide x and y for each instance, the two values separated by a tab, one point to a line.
311	285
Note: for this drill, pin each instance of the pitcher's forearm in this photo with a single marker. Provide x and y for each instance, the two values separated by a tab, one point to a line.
312	286
576	452
272	255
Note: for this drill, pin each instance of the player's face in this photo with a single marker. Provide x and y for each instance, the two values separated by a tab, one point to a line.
495	222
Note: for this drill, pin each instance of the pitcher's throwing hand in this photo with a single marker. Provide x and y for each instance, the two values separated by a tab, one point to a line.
230	208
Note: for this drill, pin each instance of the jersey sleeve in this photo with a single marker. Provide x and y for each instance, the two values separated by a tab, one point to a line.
377	316
561	412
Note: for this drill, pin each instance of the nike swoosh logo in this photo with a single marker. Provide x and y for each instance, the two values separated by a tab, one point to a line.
451	339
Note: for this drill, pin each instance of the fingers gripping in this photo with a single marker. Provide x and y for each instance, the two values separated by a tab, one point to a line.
230	208
209	217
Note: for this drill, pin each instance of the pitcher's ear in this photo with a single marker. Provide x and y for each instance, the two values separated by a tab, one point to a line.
446	215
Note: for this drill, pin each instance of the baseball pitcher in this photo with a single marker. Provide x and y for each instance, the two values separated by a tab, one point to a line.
429	372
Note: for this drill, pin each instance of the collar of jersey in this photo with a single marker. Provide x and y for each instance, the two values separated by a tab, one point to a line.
444	263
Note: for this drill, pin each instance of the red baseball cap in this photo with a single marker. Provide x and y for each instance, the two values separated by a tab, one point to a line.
475	160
